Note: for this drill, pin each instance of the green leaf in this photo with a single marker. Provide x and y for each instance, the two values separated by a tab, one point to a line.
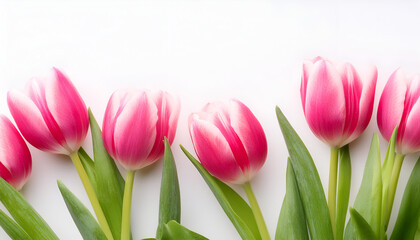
85	222
89	167
175	231
238	211
109	182
308	181
369	198
24	214
343	193
292	222
363	228
408	216
170	202
12	229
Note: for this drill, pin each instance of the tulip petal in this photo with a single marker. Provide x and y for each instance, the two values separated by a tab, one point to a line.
67	109
366	104
214	151
307	68
250	133
16	163
409	130
391	104
168	109
325	108
135	132
31	123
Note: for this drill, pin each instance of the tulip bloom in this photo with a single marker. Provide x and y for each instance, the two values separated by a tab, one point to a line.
338	107
231	145
336	103
399	105
52	117
229	141
135	125
50	114
15	158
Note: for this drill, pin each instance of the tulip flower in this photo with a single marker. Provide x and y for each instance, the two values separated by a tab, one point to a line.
15	158
53	117
134	127
338	106
231	145
399	107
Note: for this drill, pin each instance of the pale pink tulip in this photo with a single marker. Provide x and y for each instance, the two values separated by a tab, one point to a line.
50	113
135	124
15	158
229	141
400	106
337	103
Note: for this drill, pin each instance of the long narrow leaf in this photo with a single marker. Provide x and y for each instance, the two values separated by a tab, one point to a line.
343	193
308	181
369	198
408	216
89	167
292	222
12	229
363	228
238	211
109	182
170	202
85	222
24	214
175	231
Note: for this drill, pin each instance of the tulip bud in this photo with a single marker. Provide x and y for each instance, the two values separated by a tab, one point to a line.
50	114
15	158
336	103
135	124
399	105
229	141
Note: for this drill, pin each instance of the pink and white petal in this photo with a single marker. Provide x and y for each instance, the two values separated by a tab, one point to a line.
250	133
31	123
14	154
410	141
135	131
325	103
168	112
367	99
213	151
391	104
67	108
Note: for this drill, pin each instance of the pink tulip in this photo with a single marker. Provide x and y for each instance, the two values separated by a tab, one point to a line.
336	103
229	141
15	158
135	124
400	106
50	113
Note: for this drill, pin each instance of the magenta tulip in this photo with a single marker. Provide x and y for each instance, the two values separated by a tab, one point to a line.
15	158
135	124
399	105
229	141
50	113
336	103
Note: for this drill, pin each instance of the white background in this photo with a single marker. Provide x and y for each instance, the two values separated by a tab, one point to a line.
201	51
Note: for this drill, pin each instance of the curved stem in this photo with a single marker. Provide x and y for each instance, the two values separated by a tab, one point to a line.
257	212
393	182
91	194
126	214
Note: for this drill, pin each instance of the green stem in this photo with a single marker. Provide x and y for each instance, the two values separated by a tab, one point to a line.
332	186
343	191
126	214
393	182
91	194
257	212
